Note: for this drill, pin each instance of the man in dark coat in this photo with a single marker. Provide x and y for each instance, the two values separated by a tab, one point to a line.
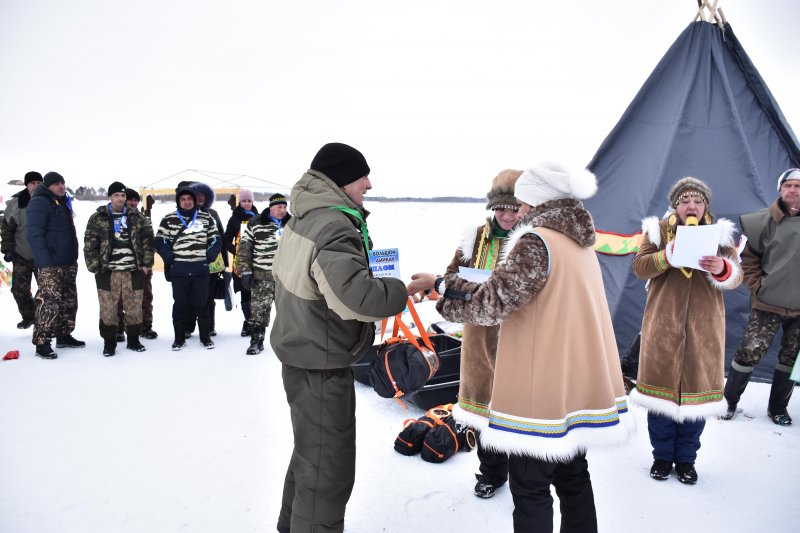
187	241
54	242
15	248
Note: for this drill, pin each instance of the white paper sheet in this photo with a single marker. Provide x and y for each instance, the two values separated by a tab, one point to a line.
476	275
693	242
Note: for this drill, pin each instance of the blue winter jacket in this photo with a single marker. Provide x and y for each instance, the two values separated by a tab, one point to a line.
51	229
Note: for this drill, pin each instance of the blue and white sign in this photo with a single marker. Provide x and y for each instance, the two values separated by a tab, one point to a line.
385	263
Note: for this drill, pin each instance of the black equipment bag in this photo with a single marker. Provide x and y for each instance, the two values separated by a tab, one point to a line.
403	365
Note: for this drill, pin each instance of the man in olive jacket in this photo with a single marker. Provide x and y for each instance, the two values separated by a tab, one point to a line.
770	262
327	303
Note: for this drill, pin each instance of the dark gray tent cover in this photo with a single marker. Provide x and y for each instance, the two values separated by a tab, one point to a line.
706	112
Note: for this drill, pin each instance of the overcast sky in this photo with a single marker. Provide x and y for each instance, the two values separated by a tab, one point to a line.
438	95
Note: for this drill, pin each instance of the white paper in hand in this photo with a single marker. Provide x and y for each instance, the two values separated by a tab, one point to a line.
694	242
476	275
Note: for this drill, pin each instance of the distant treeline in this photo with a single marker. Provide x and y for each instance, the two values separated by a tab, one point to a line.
90	193
441	199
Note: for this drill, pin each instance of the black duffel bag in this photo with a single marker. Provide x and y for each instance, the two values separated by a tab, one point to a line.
403	365
445	439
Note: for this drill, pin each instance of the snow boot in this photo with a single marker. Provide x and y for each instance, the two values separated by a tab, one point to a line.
738	376
180	336
660	470
110	347
255	348
109	335
68	341
686	473
45	351
245	329
484	489
133	338
779	396
204	325
120	332
147	332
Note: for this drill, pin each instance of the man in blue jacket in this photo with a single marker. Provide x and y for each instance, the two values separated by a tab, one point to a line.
54	243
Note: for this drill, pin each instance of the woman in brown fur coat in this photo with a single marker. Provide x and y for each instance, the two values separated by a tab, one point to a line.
683	332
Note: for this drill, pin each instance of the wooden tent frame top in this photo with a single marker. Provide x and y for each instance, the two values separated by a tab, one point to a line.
709	12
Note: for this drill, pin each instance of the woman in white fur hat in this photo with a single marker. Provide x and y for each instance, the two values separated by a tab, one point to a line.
683	332
557	390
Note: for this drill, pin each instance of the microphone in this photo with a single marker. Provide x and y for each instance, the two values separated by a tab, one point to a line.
691	220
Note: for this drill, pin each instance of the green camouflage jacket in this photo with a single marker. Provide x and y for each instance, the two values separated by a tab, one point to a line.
100	231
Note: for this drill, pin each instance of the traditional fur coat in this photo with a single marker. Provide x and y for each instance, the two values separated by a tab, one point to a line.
683	328
557	387
479	249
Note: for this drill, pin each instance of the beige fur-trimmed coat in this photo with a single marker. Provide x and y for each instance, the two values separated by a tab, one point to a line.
681	361
557	388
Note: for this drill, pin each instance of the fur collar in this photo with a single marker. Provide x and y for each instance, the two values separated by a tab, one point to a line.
468	240
651	228
565	215
23	197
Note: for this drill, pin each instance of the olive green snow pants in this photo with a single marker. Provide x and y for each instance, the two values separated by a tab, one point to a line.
322	469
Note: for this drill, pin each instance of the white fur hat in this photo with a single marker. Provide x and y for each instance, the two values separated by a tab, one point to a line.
550	181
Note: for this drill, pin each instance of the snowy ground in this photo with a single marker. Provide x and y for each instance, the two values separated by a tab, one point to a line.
198	440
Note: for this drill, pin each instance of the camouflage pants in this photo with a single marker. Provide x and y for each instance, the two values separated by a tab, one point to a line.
147	303
263	292
21	287
120	286
761	329
56	302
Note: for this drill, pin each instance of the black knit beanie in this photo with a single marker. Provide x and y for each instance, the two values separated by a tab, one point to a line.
183	191
51	178
131	194
277	199
32	176
116	187
343	164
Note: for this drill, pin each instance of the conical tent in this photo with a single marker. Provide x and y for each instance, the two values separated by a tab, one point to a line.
706	112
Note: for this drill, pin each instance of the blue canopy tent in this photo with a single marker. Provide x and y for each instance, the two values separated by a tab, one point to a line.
706	112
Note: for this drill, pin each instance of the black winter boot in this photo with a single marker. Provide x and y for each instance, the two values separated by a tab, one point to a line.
255	348
779	396
109	334
68	341
147	332
110	346
120	332
45	351
180	335
660	470
204	325
734	388
245	329
133	338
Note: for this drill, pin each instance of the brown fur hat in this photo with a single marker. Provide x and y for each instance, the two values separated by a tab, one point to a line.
502	194
688	184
